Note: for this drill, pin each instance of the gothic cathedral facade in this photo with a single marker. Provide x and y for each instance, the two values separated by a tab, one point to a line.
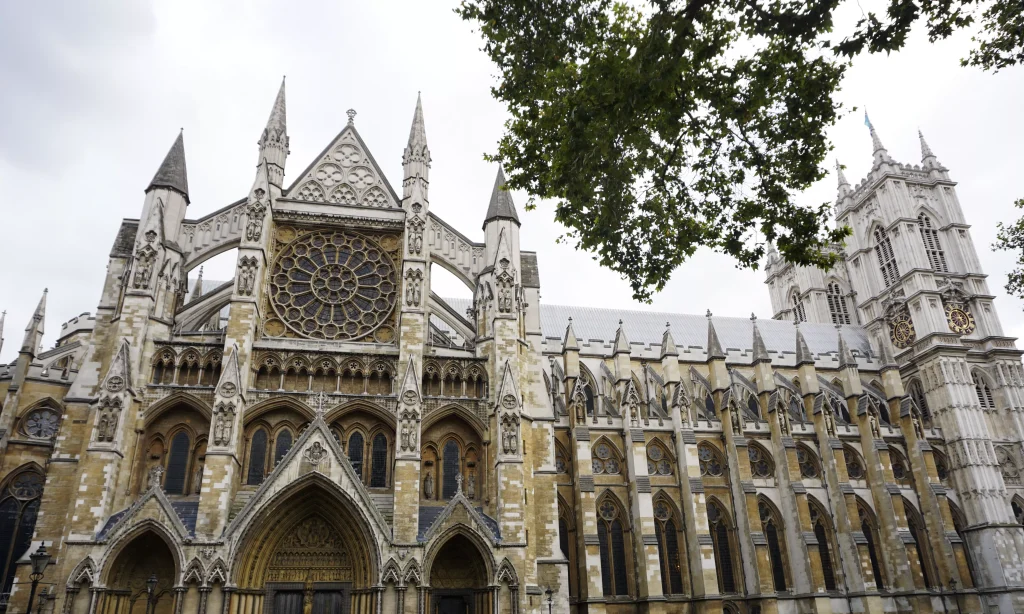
323	433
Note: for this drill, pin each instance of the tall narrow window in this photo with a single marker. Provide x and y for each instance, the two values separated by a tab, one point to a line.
917	395
932	247
563	537
450	465
257	457
916	526
722	547
824	546
837	304
19	505
773	535
886	258
798	309
379	458
981	387
612	541
668	549
868	527
177	464
284	443
355	453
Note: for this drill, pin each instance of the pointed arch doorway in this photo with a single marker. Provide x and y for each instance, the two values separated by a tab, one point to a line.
458	579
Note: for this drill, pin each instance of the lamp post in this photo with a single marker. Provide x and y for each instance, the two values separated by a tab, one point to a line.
40	559
550	594
150	590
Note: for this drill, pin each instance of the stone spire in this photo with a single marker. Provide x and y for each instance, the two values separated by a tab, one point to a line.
621	344
928	158
888	360
845	355
714	345
197	290
34	330
501	205
569	342
803	353
172	174
760	350
274	140
879	152
668	344
416	159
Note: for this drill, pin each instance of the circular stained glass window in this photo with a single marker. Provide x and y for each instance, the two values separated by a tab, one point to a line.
27	486
41	423
333	285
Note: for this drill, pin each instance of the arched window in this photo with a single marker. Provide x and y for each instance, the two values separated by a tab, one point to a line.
941	467
257	457
567	544
886	258
869	527
19	505
761	465
658	460
959	525
379	458
900	467
823	533
984	392
355	453
932	246
773	534
837	304
798	308
605	460
753	406
665	528
710	459
284	443
451	463
917	530
854	464
721	539
177	464
809	467
612	541
709	406
839	408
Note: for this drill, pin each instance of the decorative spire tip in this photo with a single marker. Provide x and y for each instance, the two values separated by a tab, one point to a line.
351	116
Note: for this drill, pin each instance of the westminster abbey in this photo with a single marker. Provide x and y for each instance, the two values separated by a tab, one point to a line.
324	434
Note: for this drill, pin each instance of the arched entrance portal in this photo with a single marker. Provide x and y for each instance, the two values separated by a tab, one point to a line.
145	556
458	579
309	553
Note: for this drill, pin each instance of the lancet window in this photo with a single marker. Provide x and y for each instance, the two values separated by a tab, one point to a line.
798	308
917	530
823	534
773	533
19	506
611	536
176	474
721	538
257	457
869	526
666	527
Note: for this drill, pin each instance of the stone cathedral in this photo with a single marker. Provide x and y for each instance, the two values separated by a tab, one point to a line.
325	434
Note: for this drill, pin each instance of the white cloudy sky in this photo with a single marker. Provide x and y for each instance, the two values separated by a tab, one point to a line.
95	92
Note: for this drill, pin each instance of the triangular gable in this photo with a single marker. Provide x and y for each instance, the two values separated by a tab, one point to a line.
477	521
345	173
316	451
119	373
410	390
508	389
230	382
152	505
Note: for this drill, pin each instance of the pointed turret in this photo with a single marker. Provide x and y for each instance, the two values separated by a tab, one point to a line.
172	173
669	356
569	342
715	351
843	188
879	152
760	350
197	289
34	330
274	140
416	159
668	344
846	358
621	342
803	353
501	205
928	159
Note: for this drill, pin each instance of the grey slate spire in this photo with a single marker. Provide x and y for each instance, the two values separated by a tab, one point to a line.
845	355
621	342
501	205
172	174
668	344
569	342
760	350
714	345
34	330
803	353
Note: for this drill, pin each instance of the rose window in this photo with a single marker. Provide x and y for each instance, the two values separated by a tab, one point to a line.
41	423
333	285
27	486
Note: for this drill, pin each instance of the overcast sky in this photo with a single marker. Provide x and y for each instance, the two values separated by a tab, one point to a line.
94	93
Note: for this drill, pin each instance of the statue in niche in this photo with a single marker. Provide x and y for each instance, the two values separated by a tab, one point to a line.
106	425
197	480
471	484
734	415
156	477
428	485
876	430
254	221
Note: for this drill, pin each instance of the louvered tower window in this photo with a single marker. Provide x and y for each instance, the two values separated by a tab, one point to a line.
886	259
837	304
355	453
985	398
917	395
177	464
612	542
19	506
932	246
450	469
284	443
722	549
257	457
798	309
379	470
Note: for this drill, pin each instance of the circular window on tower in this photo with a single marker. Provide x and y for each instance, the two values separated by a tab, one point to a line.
333	285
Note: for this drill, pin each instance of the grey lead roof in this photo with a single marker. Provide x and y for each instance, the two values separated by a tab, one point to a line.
172	173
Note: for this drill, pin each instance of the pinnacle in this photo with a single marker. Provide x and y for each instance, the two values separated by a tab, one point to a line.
501	205
879	151
841	174
760	350
570	342
418	131
278	114
172	173
803	353
34	330
927	155
845	356
621	342
715	351
668	344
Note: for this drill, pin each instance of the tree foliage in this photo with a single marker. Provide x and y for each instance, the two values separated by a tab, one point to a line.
663	126
1011	238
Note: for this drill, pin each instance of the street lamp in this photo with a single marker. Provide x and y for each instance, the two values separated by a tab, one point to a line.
150	589
551	594
40	559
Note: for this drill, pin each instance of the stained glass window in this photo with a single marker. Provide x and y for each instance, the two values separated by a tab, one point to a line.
355	453
761	465
710	460
808	463
177	464
19	506
257	457
450	469
284	443
722	548
867	526
824	548
771	529
657	461
854	468
42	423
379	471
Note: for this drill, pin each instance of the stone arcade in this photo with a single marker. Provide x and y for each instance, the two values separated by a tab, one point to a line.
323	433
